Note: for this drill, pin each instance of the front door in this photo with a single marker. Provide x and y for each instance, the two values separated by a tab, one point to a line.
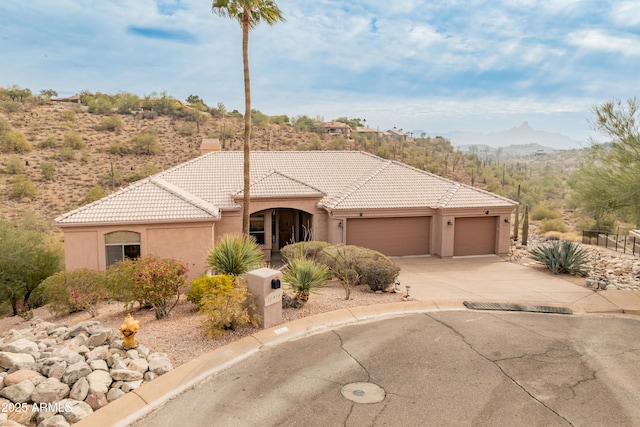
286	227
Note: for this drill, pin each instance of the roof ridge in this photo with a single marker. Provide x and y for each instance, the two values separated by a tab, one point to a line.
271	172
335	201
192	199
126	189
447	197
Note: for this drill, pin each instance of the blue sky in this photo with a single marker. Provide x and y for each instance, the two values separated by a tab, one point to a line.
437	66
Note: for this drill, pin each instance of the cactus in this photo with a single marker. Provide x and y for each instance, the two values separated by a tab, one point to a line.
516	223
525	226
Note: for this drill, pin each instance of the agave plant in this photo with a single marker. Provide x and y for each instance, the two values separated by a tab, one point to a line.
305	275
235	254
562	257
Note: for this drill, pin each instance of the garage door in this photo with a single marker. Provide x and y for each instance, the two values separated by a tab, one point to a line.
475	236
391	236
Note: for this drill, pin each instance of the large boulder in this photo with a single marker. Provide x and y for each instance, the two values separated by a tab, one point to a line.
159	363
23	345
99	381
19	376
9	359
75	372
76	410
18	393
49	391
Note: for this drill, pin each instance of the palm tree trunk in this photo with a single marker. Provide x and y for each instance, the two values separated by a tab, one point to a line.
247	123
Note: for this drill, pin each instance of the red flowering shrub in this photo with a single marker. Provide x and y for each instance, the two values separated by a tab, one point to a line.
158	283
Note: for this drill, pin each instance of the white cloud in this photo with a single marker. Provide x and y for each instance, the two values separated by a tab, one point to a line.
598	40
626	13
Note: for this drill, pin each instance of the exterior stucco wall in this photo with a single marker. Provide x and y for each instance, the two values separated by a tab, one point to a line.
81	249
187	242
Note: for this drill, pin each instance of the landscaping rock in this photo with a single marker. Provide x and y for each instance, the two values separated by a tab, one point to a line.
57	365
49	391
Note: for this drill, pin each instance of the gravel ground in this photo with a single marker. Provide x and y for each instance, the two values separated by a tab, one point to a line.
181	335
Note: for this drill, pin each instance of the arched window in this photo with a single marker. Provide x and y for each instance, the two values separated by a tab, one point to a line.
119	245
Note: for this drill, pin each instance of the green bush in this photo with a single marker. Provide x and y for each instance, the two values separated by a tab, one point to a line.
119	279
158	283
15	165
309	250
48	142
73	140
119	147
303	276
378	273
226	306
67	153
96	193
147	170
68	115
22	188
188	129
48	170
204	284
562	257
549	224
110	123
11	106
235	254
145	143
77	290
542	212
15	142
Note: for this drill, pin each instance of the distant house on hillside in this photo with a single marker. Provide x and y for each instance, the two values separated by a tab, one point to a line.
334	128
369	131
398	134
335	196
73	99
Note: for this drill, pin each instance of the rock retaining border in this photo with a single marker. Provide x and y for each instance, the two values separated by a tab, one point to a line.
54	376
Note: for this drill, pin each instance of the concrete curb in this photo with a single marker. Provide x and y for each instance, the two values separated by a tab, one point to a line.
140	402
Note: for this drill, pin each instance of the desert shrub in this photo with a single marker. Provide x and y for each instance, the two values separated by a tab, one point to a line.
68	115
77	290
542	212
48	142
562	257
226	306
342	261
204	284
304	276
308	250
158	283
120	280
113	177
110	123
552	235
147	170
96	193
15	142
118	147
188	129
67	153
22	188
5	126
379	273
73	140
100	104
15	165
48	170
11	106
571	237
145	143
549	224
235	254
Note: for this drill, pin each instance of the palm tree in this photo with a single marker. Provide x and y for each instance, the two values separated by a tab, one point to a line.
248	13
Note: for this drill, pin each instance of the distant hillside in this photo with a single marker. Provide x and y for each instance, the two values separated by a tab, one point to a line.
510	151
520	135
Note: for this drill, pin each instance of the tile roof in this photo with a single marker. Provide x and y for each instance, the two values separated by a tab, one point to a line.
197	189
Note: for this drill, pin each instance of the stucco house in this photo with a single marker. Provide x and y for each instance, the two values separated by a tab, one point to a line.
336	196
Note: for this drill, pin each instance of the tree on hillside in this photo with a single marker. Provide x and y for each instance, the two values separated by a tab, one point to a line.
248	13
26	259
607	181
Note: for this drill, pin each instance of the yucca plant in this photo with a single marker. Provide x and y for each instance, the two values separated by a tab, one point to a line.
562	257
305	275
235	254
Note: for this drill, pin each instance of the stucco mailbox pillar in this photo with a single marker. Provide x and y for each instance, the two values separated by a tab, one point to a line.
265	285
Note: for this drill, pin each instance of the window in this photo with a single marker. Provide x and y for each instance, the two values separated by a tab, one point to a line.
120	245
256	227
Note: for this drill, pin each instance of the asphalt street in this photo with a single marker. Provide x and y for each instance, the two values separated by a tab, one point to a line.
441	368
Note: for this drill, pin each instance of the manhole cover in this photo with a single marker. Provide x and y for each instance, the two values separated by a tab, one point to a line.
475	305
363	392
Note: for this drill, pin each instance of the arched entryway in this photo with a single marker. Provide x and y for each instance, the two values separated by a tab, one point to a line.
277	227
